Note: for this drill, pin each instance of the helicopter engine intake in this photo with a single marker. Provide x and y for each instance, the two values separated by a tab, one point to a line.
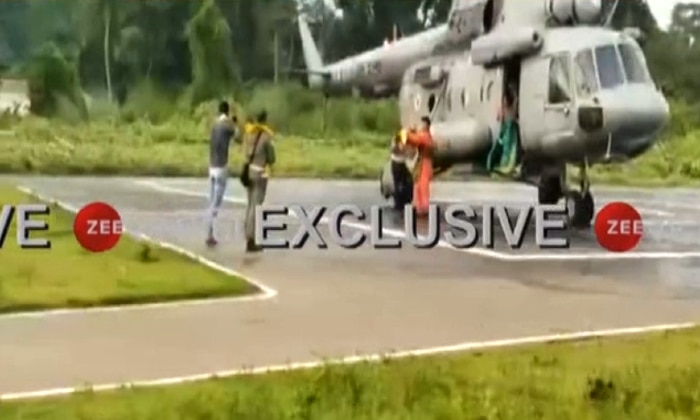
501	45
566	12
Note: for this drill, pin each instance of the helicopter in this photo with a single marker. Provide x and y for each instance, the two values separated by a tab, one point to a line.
584	92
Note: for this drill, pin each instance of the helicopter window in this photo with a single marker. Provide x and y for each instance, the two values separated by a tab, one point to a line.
584	71
635	69
609	68
559	80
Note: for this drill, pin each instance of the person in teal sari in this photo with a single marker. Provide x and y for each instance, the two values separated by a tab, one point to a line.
503	154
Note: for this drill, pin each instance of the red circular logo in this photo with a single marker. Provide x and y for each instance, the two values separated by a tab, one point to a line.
618	227
98	227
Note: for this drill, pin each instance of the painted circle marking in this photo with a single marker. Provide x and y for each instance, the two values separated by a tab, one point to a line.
98	227
619	227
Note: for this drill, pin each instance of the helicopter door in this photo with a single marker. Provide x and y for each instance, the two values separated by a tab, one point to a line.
546	103
491	95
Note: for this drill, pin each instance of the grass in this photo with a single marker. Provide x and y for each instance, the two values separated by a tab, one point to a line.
654	376
154	133
68	276
179	148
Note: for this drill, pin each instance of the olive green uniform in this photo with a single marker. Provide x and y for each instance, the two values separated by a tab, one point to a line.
262	159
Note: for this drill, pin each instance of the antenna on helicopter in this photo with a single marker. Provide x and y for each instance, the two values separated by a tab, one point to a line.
607	19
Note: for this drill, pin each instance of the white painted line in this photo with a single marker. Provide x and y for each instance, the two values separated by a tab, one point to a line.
603	256
265	293
461	347
481	252
181	191
503	256
667	204
135	212
355	225
563	256
642	210
653	212
672	223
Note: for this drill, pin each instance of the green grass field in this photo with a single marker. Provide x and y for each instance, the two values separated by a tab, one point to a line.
178	147
68	276
644	377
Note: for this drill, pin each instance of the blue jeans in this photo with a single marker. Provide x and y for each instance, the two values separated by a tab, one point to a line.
218	180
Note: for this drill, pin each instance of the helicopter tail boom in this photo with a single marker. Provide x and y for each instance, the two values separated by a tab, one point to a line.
312	56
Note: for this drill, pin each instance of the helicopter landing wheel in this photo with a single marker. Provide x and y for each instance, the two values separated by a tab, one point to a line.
580	209
403	195
549	192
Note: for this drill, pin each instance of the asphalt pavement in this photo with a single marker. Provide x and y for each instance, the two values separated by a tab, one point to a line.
337	302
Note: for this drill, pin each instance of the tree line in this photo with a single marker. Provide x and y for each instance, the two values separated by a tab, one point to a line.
204	48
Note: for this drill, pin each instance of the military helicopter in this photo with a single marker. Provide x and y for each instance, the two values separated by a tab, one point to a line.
585	94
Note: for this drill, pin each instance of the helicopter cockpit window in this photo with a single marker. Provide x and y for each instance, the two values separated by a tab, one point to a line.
584	71
560	80
609	68
635	68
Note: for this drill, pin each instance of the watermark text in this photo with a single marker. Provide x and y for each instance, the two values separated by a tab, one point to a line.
457	225
25	218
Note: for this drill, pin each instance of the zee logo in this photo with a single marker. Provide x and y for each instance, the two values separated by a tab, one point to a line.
619	227
98	227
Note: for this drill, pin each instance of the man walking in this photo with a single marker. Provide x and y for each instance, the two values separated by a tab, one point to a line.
219	141
260	155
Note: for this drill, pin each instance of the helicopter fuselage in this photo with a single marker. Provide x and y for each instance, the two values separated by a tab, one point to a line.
586	94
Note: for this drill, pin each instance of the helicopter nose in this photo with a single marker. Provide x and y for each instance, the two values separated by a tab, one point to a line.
633	117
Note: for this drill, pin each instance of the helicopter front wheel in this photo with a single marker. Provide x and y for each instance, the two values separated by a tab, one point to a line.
397	183
580	205
580	209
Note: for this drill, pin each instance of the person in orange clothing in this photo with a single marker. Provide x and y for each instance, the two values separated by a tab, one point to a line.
423	141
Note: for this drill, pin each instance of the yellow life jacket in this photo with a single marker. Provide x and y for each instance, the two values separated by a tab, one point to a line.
403	135
250	128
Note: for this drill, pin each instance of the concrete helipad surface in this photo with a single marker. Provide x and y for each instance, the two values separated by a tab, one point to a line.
336	302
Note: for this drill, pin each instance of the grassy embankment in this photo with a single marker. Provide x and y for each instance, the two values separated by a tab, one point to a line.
68	276
178	148
644	377
152	135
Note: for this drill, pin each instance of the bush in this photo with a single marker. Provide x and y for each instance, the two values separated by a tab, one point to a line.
685	118
675	159
155	134
295	109
177	147
148	101
54	84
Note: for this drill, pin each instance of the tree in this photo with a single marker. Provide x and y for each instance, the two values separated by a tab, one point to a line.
106	18
213	47
52	78
685	21
209	38
634	13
